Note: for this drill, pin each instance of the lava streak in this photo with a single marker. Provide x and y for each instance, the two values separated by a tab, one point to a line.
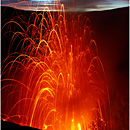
54	79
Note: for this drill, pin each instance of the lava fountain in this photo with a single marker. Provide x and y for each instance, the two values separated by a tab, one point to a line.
54	79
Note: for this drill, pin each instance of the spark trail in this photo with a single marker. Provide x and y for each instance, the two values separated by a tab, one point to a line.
56	80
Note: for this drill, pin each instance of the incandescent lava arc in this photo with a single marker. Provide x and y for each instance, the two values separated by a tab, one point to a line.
54	80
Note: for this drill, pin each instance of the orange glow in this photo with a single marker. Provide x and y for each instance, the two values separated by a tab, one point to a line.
56	80
79	126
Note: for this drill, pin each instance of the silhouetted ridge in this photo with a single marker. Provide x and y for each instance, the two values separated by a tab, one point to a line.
12	126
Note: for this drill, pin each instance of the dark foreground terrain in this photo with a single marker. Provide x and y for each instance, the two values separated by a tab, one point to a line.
11	126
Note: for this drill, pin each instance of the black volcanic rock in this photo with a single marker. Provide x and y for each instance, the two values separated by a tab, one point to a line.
11	126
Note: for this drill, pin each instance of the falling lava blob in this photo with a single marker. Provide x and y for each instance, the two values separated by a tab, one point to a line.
54	79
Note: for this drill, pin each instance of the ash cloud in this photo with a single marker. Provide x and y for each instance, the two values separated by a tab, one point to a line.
70	5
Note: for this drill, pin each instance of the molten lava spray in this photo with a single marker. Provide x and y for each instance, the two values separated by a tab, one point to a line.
56	81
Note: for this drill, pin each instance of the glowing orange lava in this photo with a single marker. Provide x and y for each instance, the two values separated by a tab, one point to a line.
56	81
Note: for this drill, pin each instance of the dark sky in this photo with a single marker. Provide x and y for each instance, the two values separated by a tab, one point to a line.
70	5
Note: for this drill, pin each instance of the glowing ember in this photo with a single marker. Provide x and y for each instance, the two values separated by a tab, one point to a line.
56	80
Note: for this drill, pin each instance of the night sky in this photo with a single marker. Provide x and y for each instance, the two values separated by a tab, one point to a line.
70	5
